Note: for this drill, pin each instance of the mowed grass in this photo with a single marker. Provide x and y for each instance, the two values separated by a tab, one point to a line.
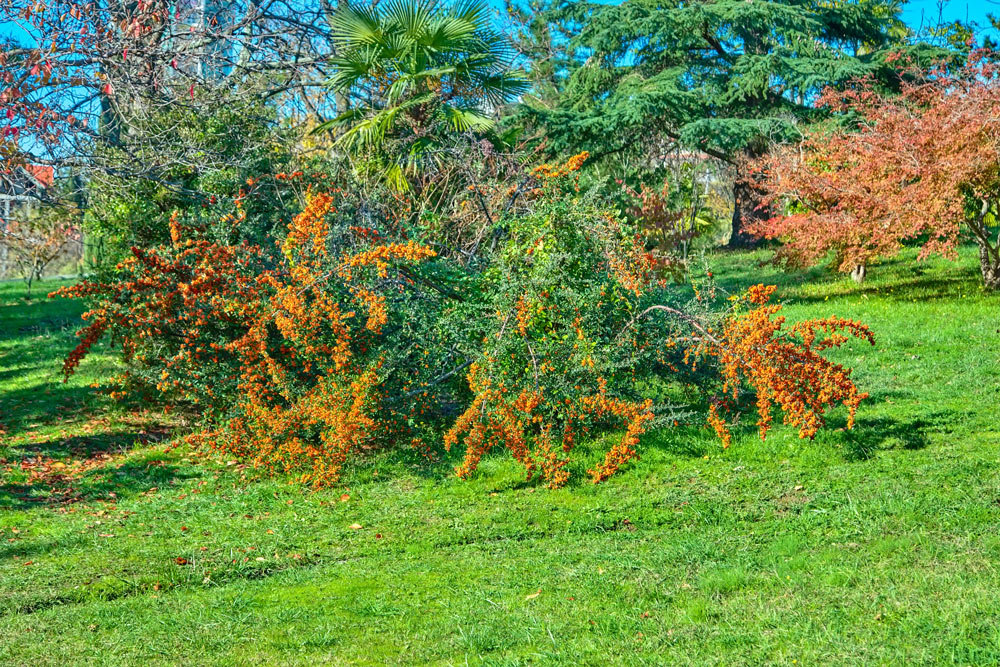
879	545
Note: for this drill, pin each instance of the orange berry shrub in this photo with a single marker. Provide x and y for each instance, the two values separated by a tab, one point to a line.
358	327
282	351
584	328
780	367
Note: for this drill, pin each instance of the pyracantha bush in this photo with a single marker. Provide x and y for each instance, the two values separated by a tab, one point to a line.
281	349
580	330
353	332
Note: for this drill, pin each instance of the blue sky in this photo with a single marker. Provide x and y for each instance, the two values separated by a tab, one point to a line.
917	13
926	12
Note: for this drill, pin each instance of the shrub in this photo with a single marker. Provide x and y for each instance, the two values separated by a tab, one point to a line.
283	358
573	344
356	334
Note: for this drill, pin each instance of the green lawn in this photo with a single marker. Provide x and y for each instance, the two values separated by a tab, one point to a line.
879	545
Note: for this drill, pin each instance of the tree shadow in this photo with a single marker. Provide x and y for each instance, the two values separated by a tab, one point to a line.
899	278
928	288
769	274
89	446
21	324
104	480
25	410
874	434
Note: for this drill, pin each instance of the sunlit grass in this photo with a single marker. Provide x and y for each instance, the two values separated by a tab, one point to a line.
875	545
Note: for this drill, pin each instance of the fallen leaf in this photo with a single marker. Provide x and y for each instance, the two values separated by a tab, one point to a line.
345	497
533	595
181	560
355	526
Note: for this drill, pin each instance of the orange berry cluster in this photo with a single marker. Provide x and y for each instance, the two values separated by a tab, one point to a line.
783	366
548	171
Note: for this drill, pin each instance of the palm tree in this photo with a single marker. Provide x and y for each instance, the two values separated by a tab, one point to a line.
415	73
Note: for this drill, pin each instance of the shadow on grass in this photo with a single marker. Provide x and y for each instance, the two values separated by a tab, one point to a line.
768	274
37	316
928	288
25	409
89	446
50	487
899	278
875	434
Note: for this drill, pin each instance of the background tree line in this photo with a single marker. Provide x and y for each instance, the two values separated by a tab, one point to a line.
321	228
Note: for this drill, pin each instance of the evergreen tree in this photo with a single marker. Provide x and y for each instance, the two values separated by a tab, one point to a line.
725	77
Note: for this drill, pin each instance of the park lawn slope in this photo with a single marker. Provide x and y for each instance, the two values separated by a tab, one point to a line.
875	545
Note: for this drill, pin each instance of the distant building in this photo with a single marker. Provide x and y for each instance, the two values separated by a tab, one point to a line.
21	188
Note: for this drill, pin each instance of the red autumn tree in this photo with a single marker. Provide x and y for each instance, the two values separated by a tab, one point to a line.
923	165
81	77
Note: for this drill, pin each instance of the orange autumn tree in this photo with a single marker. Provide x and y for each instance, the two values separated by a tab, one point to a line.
918	167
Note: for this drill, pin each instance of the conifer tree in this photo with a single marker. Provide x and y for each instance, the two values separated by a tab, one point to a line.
725	77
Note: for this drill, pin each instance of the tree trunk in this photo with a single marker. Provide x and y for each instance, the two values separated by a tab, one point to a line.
745	212
858	273
989	252
989	263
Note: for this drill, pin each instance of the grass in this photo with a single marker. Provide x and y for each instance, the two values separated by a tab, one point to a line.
877	545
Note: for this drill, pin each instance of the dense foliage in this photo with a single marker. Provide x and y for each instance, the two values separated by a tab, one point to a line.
921	166
725	78
411	75
357	334
199	162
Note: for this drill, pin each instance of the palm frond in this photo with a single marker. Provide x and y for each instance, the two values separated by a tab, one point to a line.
356	24
409	17
353	66
423	70
466	119
345	119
